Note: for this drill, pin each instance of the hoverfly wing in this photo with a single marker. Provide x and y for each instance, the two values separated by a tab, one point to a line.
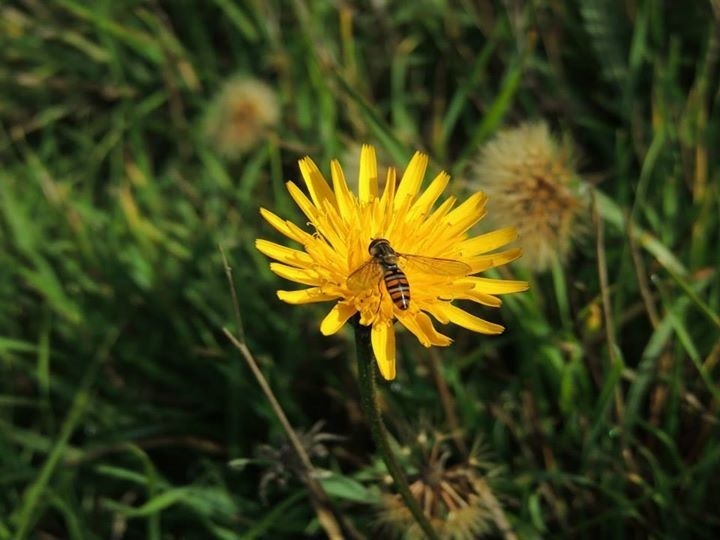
366	275
432	265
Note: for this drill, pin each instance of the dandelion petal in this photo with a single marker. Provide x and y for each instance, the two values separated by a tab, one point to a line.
468	213
317	185
435	337
411	180
368	181
283	226
344	197
422	328
430	195
336	318
388	195
498	286
310	211
488	241
480	297
283	254
466	320
298	275
383	344
305	296
483	262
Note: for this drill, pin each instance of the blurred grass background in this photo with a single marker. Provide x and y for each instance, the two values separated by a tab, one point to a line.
122	402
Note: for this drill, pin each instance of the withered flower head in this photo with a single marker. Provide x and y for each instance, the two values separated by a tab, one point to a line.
282	462
455	496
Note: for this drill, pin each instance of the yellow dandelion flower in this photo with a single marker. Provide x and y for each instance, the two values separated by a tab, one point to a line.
241	115
337	265
530	180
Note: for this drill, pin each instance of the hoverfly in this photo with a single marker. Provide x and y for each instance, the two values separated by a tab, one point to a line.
383	263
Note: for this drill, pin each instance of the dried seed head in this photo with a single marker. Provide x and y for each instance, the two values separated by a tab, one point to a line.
242	114
282	462
530	181
456	499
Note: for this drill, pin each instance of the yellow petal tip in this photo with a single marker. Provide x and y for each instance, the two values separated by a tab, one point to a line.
387	370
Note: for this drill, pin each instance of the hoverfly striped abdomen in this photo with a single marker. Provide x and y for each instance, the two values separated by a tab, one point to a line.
397	286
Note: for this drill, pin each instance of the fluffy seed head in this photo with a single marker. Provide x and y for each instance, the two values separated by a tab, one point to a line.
530	180
242	114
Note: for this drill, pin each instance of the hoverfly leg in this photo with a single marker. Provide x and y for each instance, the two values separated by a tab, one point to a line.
380	288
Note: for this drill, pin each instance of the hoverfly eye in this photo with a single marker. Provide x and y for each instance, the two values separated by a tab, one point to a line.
372	248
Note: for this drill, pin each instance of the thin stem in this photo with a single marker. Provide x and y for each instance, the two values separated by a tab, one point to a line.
496	510
322	504
615	360
319	498
446	400
366	381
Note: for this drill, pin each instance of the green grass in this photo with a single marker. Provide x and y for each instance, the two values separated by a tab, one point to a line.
122	403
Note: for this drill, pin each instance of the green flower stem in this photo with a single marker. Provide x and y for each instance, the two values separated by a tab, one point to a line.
366	381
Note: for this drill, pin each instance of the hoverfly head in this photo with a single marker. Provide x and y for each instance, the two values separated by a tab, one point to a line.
378	246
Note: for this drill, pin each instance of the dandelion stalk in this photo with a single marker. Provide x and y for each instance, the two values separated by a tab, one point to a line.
366	381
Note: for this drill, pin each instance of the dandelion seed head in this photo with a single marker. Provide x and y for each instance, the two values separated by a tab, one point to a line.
241	115
530	181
